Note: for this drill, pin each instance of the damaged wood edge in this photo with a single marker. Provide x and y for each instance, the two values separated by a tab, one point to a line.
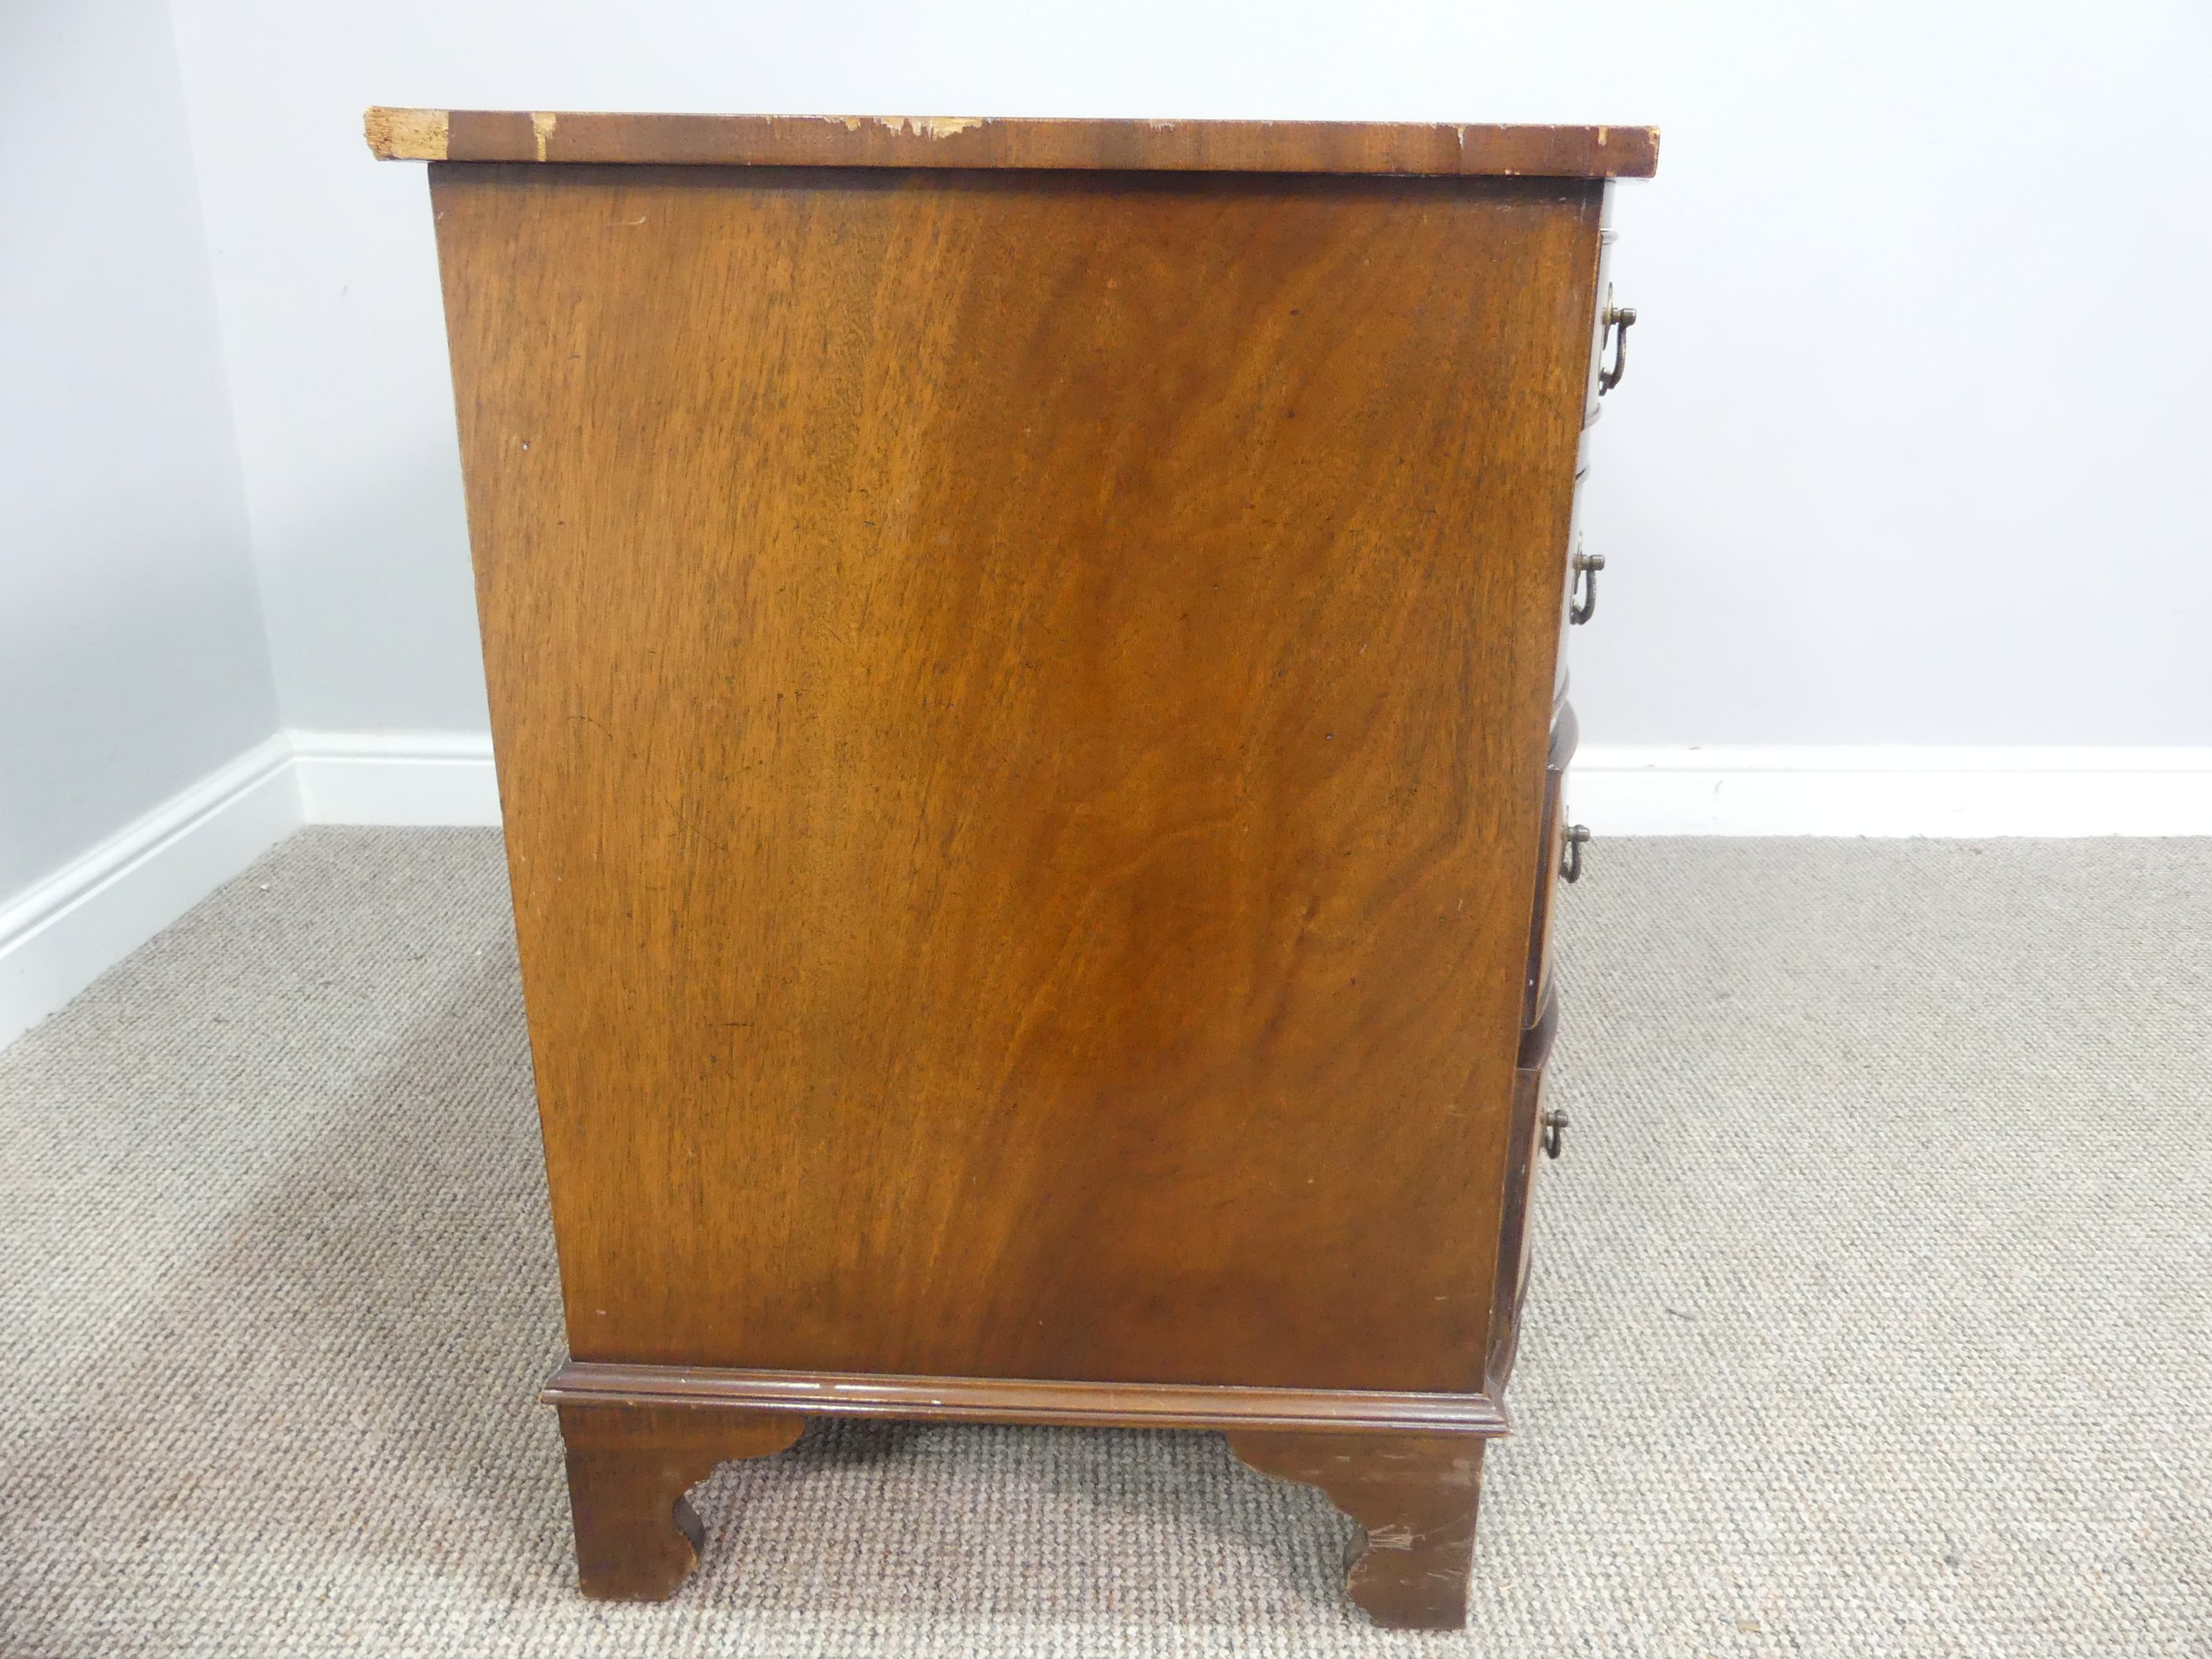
1000	1400
1414	1500
407	135
1375	148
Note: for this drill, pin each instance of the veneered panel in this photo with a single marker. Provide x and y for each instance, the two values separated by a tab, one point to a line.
1021	704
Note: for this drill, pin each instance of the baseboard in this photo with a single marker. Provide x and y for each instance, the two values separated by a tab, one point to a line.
1904	791
59	936
438	777
395	778
63	933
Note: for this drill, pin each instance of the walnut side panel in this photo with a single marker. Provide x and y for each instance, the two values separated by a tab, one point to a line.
1021	702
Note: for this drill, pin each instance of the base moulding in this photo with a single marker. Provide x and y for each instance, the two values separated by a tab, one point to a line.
1013	1399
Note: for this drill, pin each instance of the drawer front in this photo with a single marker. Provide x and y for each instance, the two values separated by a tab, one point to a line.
1511	1287
1591	407
1564	734
1567	581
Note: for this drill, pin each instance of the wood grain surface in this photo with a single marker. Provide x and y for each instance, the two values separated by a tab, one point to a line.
1414	1498
1021	703
1509	1288
637	1536
1551	845
844	141
1011	1400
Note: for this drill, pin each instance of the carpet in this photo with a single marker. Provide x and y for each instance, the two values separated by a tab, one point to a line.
1872	1307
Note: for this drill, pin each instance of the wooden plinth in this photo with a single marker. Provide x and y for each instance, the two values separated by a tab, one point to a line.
639	1437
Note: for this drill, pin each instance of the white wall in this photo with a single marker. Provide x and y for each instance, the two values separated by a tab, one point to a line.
1909	468
1911	448
133	660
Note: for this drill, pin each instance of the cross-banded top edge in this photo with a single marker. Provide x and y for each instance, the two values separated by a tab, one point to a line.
834	141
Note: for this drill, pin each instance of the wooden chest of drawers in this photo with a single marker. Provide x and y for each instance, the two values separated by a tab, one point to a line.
1024	662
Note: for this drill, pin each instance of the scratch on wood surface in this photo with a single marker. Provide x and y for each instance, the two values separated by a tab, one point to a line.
541	126
932	125
406	134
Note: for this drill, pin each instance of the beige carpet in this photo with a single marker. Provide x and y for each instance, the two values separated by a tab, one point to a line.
1872	1316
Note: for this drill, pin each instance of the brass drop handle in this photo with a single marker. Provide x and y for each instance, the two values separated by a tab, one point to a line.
1619	321
1570	861
1585	596
1555	1131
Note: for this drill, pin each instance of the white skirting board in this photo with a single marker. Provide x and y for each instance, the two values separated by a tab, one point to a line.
57	936
1965	794
60	933
418	777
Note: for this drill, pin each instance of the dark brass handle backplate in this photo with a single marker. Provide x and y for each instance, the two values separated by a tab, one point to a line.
1584	597
1555	1131
1570	864
1619	321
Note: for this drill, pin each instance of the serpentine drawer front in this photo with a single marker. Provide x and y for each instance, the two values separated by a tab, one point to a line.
1021	658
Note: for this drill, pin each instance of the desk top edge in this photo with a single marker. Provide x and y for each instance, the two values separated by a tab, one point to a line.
1330	147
